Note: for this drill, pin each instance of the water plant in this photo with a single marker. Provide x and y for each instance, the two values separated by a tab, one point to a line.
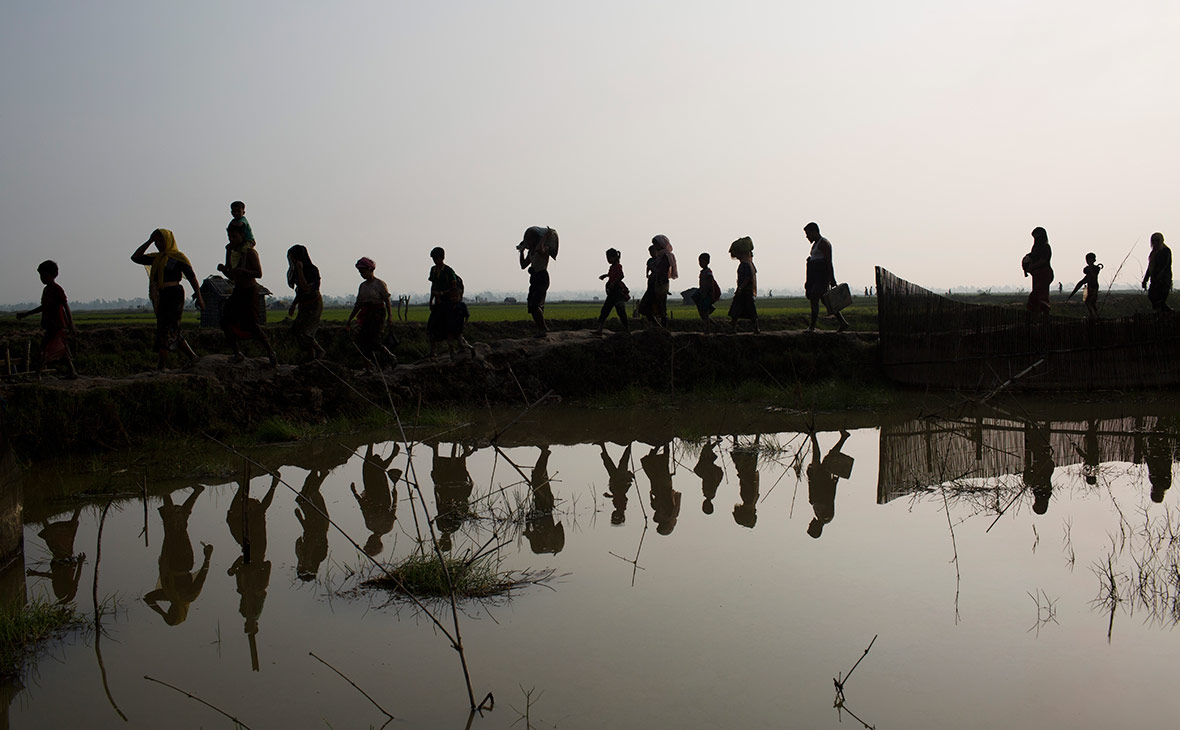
24	629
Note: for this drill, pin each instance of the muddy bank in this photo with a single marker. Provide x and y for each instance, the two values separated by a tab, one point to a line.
221	398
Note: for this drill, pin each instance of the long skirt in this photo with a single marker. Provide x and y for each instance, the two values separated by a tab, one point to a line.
169	309
742	306
655	302
370	321
538	287
240	315
307	321
1038	298
446	321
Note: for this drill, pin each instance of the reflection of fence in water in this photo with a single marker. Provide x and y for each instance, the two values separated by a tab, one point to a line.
921	454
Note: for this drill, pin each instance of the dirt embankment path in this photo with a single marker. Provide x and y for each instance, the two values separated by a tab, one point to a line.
54	416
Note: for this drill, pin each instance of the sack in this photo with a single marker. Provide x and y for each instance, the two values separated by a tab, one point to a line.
740	247
836	298
716	291
839	464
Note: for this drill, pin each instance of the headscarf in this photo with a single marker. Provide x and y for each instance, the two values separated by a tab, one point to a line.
364	262
665	245
156	270
298	254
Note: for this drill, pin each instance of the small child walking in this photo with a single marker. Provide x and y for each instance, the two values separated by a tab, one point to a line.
616	291
1090	281
708	292
56	320
743	306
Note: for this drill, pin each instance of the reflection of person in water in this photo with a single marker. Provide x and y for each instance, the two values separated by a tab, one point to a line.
619	477
710	475
543	534
247	524
311	548
822	477
665	501
1038	465
378	501
178	585
745	463
1090	453
452	490
1159	460
65	569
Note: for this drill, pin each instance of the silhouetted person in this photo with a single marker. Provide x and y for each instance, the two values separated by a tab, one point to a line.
745	463
247	524
1090	453
710	475
1157	280
452	490
65	569
1089	280
821	274
665	501
311	548
1037	264
822	477
619	479
538	246
543	534
1038	465
1159	460
178	585
378	501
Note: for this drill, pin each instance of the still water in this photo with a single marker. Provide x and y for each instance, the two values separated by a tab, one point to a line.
1008	571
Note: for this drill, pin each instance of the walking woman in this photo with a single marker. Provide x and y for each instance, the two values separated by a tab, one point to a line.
371	310
661	268
1036	263
165	268
304	277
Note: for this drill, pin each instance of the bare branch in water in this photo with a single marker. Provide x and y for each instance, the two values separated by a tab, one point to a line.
358	689
192	696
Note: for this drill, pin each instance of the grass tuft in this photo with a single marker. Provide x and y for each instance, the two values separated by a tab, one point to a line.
23	629
423	575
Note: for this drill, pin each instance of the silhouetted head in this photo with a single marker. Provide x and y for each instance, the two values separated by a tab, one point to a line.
707	506
365	266
812	231
661	242
373	545
618	517
47	270
1091	258
1039	235
438	254
815	528
703	260
298	252
1041	500
1160	483
237	209
236	230
613	256
1157	239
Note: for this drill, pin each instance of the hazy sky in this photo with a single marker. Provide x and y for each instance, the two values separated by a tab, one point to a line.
928	137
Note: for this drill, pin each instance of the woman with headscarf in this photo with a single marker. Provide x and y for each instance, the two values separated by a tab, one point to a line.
304	277
1036	264
165	270
371	310
661	268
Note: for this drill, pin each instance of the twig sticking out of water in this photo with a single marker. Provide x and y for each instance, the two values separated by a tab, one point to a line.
358	689
192	696
841	682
